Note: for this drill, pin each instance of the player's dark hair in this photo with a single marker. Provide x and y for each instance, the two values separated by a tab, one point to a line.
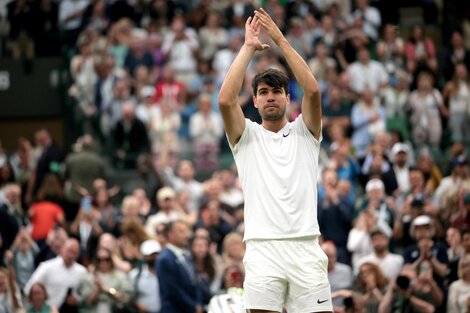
273	78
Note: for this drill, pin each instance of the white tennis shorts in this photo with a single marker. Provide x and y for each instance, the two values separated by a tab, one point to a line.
290	272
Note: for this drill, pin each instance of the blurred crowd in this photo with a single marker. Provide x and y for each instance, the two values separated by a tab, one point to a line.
394	190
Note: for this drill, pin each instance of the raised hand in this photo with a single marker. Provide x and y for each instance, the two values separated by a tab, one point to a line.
268	24
252	32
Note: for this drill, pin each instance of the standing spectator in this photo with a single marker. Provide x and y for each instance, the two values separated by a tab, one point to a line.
106	288
82	167
24	250
459	290
367	119
391	48
212	36
368	17
166	210
457	53
49	161
70	20
457	95
45	28
179	290
20	15
54	242
180	46
137	54
130	138
335	214
206	131
145	281
401	166
9	222
420	51
366	73
61	276
426	103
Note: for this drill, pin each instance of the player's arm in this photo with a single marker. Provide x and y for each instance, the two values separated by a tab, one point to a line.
232	114
311	106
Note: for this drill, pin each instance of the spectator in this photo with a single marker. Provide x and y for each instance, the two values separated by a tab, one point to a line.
61	276
108	242
321	63
147	110
391	47
179	290
367	119
212	36
455	54
180	45
130	138
9	222
23	251
206	131
457	95
111	111
20	15
401	167
367	73
49	161
335	214
371	283
9	293
369	18
426	103
105	288
37	298
340	275
137	53
389	263
167	211
70	20
81	169
54	242
146	296
213	219
459	290
233	249
420	52
455	249
133	235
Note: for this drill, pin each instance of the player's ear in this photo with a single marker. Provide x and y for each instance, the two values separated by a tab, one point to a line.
288	99
254	102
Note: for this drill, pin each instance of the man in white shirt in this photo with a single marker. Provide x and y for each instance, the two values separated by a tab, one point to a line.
389	263
277	163
367	73
59	275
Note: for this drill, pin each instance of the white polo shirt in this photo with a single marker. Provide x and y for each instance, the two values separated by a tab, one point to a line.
278	173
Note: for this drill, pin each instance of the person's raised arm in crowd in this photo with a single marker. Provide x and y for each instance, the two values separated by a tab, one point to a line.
311	105
232	114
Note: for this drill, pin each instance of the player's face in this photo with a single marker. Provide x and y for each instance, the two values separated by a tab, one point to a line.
271	102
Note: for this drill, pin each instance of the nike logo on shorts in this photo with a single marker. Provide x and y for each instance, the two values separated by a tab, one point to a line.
320	302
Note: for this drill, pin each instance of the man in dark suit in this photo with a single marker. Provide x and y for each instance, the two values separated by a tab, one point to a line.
9	219
179	290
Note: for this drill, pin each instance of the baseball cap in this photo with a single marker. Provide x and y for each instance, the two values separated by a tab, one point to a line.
165	192
380	230
374	183
459	160
421	220
399	147
149	247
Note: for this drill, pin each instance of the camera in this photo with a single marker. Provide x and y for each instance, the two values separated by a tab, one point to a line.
403	282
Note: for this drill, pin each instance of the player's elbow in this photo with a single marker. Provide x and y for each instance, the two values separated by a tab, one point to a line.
225	100
313	90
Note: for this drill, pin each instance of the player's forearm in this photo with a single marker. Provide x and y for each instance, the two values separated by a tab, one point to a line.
234	79
299	67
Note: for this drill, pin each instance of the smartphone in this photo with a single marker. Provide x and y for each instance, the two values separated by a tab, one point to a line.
85	204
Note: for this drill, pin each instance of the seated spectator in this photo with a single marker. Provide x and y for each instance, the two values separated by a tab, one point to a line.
105	288
233	249
137	53
372	285
376	165
389	263
340	275
359	244
459	290
109	242
391	47
366	73
213	219
37	299
9	225
456	53
461	219
455	248
232	299
403	296
167	210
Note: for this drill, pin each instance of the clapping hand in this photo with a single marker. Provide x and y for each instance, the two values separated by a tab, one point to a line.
268	24
252	33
